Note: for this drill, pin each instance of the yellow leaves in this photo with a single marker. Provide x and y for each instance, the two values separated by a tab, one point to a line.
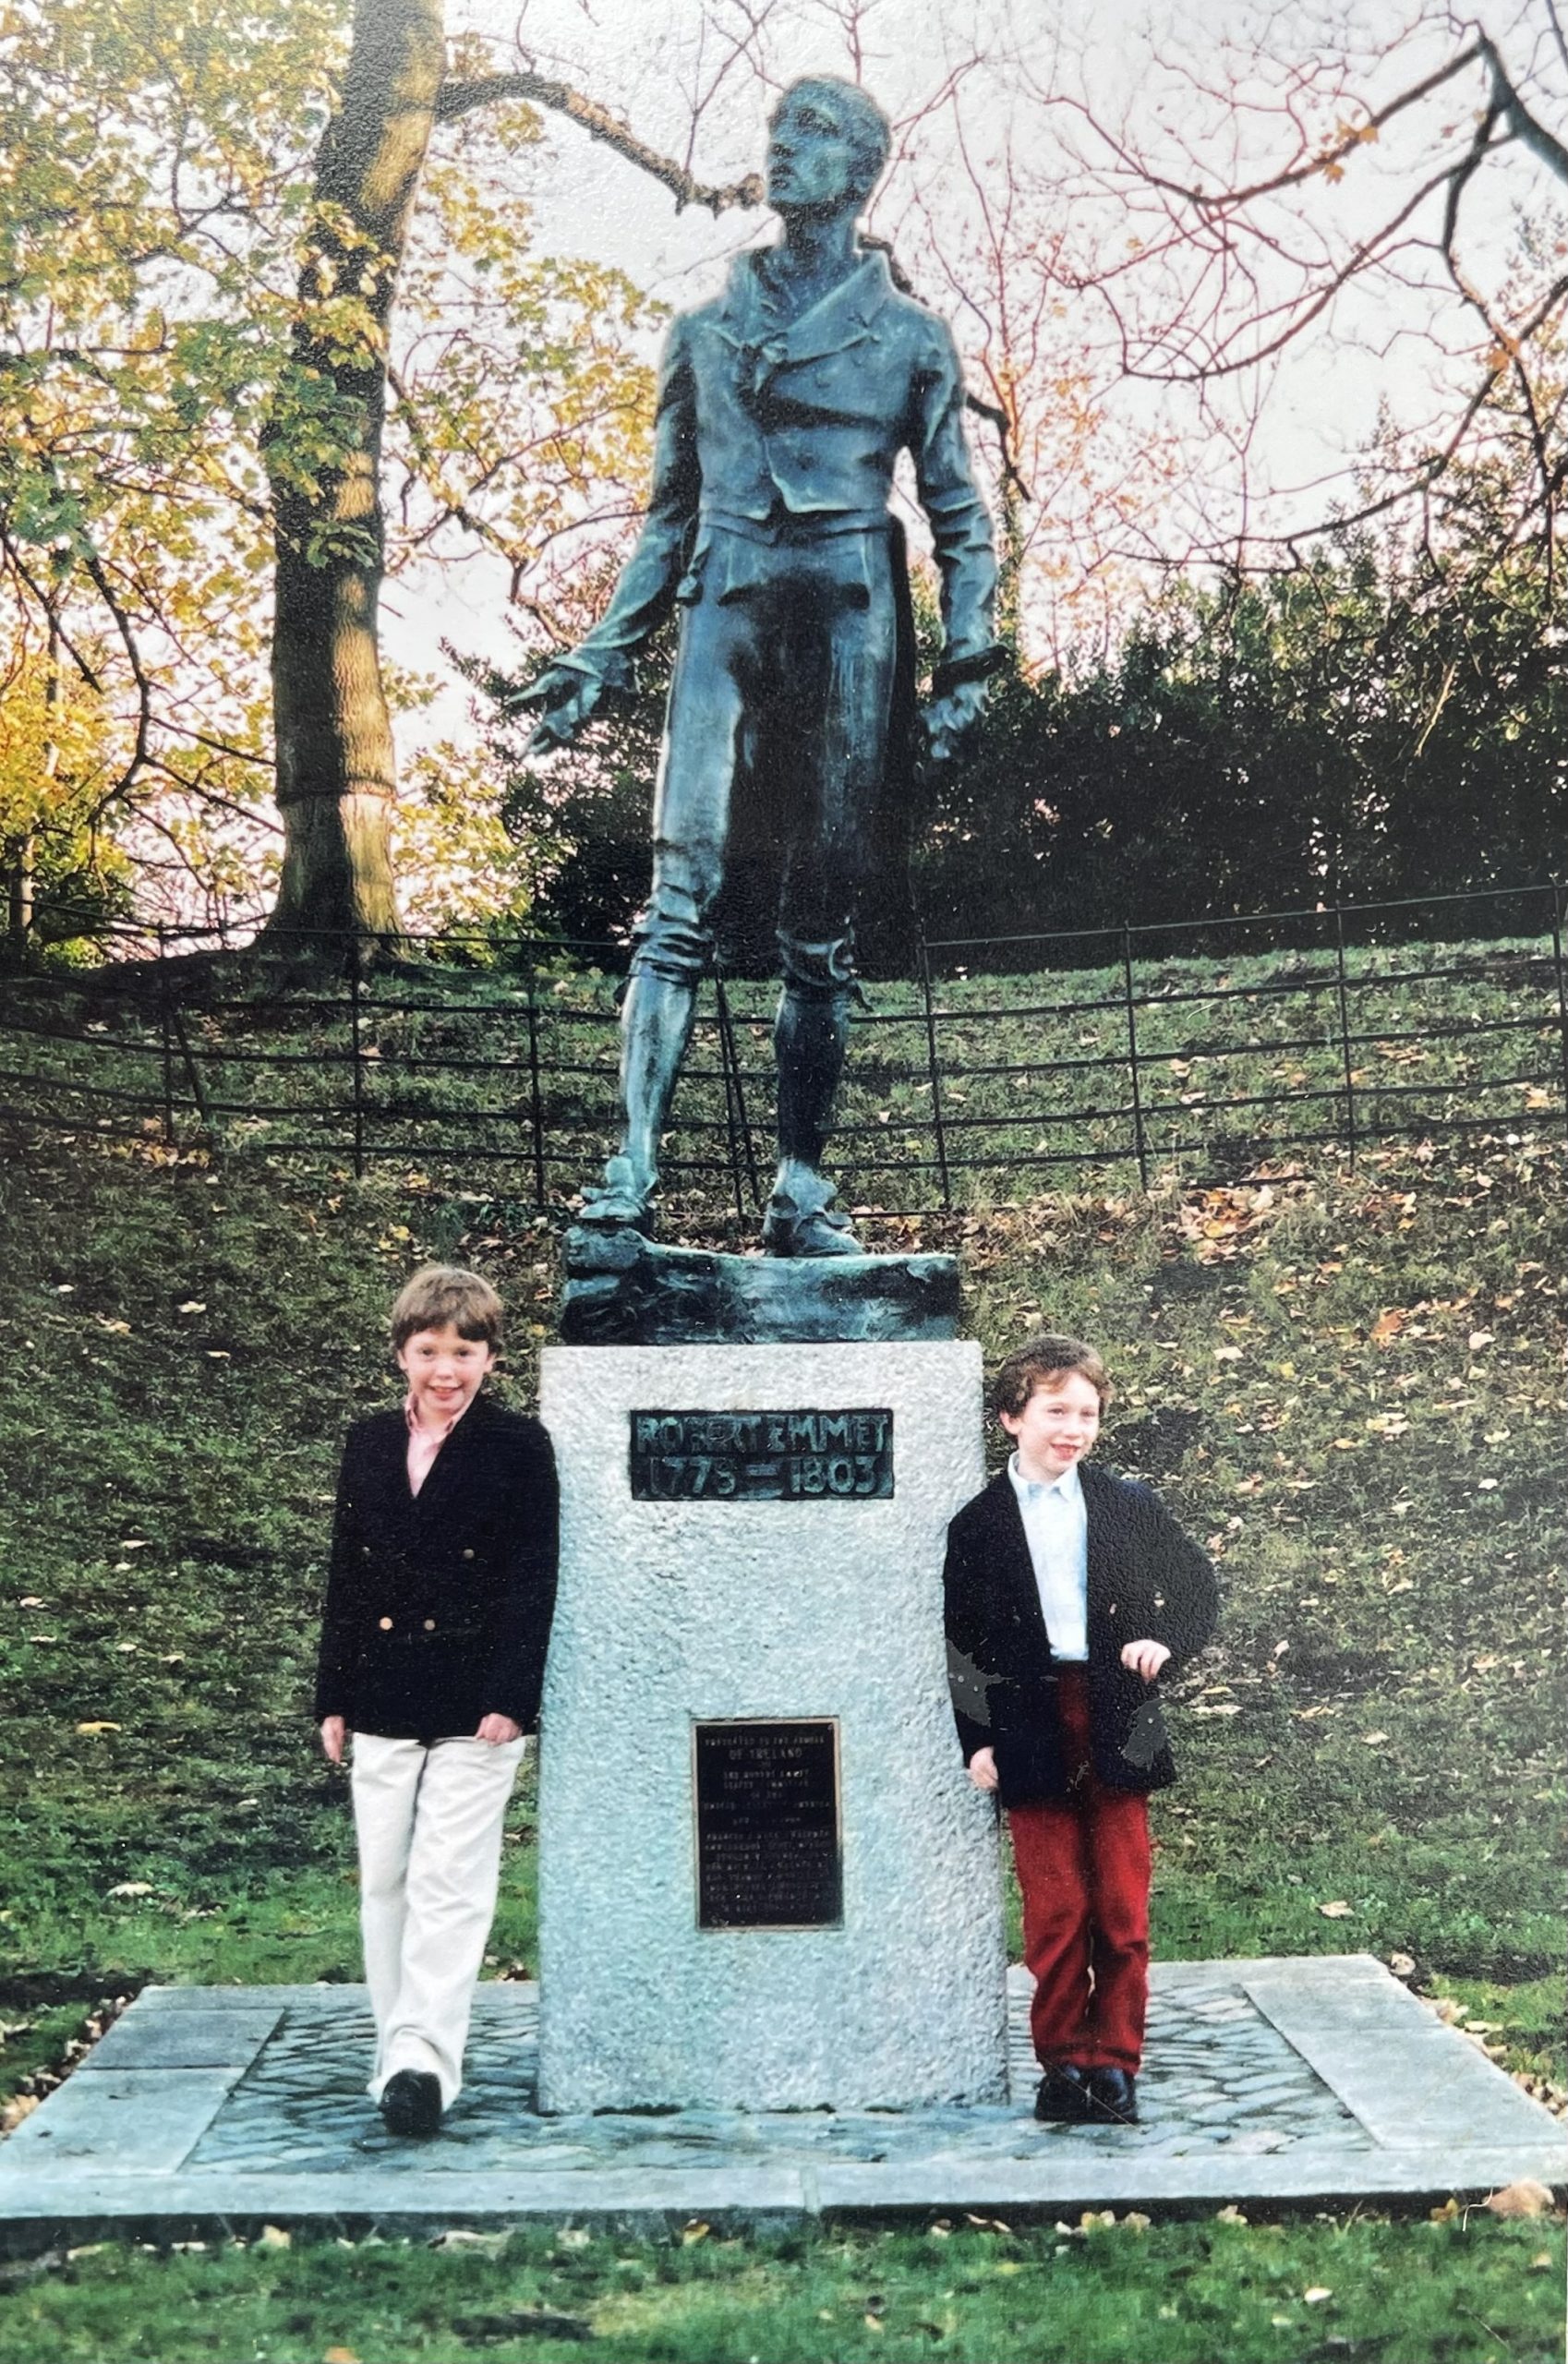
192	1305
274	2237
1337	1911
697	2230
1388	1325
97	1725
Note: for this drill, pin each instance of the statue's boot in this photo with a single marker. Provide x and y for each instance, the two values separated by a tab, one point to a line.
811	1035
655	1026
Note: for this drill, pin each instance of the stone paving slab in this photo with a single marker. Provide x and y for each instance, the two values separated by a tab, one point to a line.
1275	2081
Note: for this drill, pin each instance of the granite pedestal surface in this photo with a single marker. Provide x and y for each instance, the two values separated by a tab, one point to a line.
809	1590
1268	2083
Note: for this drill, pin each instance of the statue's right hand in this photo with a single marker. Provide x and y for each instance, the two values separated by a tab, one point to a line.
568	698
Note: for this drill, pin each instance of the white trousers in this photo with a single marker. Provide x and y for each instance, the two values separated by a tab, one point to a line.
430	1823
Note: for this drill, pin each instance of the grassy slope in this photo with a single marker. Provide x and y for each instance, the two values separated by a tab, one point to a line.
1351	1385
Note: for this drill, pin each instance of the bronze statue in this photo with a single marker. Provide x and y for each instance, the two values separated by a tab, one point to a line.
782	409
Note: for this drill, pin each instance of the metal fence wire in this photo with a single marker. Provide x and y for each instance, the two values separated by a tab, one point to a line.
1001	1066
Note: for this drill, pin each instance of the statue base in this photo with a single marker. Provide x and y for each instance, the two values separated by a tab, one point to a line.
622	1291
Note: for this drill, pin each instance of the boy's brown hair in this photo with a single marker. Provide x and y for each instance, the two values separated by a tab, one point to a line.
1045	1362
441	1293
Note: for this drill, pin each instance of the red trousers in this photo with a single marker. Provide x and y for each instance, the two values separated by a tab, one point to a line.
1084	1865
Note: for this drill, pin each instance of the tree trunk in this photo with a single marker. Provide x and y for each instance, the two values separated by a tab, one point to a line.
336	762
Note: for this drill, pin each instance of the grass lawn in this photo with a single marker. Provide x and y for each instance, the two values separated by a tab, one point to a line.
1446	2293
1349	1384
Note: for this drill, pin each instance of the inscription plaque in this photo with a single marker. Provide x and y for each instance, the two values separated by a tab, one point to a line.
768	1851
762	1456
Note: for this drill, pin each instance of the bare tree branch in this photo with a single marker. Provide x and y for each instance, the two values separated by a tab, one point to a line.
460	97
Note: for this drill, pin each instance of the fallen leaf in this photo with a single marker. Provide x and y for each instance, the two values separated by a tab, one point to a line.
193	1305
1479	1338
101	1725
333	2354
1373	1740
1526	2198
273	2237
132	1887
1231	2216
1402	1965
1387	1325
694	2232
1316	2295
1337	1911
459	2237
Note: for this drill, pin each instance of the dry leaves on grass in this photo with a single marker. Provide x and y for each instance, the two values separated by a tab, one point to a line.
1526	2198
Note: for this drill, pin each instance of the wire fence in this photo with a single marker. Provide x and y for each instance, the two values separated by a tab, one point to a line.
999	1067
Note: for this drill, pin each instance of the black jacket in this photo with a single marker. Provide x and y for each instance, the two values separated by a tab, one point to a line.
439	1604
1147	1581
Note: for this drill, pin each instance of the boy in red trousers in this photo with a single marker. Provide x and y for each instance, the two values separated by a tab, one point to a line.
1069	1593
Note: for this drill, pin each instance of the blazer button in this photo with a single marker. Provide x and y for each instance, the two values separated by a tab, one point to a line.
429	1624
469	1555
385	1624
365	1551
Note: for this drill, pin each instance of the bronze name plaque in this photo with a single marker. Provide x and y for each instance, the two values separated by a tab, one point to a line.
768	1849
762	1456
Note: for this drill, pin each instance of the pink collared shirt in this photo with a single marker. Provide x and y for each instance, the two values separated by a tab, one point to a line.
424	1444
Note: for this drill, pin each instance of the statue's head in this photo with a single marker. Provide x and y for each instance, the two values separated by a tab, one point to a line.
828	143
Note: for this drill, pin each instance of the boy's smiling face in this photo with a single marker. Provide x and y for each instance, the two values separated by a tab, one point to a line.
444	1369
1057	1428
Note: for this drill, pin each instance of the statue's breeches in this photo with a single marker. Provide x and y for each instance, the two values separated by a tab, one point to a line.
781	696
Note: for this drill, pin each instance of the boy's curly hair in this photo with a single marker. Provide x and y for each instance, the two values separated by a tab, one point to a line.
1044	1362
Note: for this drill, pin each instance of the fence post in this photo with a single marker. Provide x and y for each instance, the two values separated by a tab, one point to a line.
536	1098
166	1032
738	1130
1561	997
1345	1031
1138	1134
935	1075
357	1060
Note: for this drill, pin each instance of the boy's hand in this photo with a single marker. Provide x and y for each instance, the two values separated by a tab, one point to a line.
1145	1658
983	1769
334	1732
497	1728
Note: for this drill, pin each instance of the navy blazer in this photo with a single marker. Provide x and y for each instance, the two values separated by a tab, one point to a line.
1147	1581
439	1603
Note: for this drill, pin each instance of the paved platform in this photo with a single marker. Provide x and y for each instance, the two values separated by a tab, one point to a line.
1267	2081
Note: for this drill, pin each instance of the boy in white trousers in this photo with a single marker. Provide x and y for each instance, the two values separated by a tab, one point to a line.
438	1615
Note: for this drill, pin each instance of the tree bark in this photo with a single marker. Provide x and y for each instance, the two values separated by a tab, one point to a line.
336	760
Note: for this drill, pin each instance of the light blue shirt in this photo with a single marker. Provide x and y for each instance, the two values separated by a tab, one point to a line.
1056	1524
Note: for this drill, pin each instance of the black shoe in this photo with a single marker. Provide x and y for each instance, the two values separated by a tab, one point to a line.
1064	2098
411	2103
1113	2093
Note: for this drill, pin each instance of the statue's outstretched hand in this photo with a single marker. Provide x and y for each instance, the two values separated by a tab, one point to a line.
568	698
949	725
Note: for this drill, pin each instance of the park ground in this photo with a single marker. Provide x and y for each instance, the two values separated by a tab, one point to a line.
1348	1382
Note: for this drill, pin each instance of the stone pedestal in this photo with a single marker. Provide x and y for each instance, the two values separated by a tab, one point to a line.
751	1601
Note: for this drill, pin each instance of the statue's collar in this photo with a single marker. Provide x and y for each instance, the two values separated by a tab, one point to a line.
747	318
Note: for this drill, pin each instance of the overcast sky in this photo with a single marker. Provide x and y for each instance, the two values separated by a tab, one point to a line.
673	70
